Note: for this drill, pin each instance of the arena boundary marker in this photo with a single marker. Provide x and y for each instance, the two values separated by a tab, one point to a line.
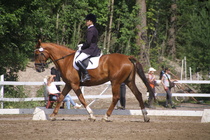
41	113
206	116
190	113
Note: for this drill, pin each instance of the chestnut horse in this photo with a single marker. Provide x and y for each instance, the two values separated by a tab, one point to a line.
116	68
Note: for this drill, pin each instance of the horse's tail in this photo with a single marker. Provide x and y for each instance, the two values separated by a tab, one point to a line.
140	71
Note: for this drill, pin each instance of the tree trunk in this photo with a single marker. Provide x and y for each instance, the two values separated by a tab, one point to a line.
57	21
63	29
142	33
171	43
105	39
110	25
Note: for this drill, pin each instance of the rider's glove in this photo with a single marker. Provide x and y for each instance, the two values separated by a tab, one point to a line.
80	47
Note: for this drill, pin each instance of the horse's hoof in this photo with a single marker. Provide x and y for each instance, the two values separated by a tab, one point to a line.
92	119
52	115
53	119
146	119
105	120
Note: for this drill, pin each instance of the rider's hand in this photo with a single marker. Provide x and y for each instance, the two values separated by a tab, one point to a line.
80	47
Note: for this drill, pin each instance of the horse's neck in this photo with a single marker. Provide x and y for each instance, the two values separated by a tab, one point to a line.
57	51
60	55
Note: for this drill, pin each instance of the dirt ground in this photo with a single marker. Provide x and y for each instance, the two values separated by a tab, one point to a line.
77	127
74	127
123	127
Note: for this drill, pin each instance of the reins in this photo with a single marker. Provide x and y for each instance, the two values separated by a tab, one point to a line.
59	59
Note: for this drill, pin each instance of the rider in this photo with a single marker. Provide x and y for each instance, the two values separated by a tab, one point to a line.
89	48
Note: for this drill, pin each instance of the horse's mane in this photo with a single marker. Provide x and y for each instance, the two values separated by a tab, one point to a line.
61	46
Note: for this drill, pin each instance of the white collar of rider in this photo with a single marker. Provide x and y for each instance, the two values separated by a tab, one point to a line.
90	26
41	49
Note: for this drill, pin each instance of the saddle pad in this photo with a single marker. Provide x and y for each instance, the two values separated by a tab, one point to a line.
92	64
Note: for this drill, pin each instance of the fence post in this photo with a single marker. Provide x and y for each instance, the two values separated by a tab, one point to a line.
190	73
182	69
2	91
185	67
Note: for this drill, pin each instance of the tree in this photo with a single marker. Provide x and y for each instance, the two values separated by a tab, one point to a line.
194	33
12	55
171	45
142	33
141	28
111	5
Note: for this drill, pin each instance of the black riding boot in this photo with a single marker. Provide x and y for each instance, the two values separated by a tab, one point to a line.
86	76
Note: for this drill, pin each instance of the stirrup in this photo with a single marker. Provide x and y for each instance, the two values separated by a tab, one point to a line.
86	78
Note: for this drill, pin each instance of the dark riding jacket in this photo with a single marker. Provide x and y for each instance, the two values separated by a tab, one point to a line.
90	46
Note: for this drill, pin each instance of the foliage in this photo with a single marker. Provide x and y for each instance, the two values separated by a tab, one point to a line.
40	92
23	22
191	31
194	34
158	15
61	21
12	56
19	92
30	104
124	28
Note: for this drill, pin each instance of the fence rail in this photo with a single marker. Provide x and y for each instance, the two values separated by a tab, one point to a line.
62	83
2	83
43	99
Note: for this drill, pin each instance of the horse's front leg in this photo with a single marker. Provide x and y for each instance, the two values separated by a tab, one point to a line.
115	98
65	91
81	98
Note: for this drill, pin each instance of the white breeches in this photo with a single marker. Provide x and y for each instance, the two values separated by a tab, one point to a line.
82	57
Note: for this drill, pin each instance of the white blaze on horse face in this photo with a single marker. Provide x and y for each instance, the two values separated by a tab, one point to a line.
41	49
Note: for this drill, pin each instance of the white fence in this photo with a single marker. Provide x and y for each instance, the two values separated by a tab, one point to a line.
2	99
95	97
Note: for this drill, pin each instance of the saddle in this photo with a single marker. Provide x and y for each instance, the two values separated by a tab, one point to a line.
90	62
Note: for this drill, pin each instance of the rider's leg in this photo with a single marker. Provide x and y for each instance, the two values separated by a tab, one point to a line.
82	67
84	71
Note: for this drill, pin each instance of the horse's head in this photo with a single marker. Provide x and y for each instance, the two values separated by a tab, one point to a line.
41	57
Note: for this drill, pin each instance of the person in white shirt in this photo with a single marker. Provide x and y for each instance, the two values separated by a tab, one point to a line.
52	90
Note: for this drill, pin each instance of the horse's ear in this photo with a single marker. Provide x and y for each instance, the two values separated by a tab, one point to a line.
38	44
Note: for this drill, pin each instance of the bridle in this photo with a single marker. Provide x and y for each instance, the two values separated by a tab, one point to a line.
41	55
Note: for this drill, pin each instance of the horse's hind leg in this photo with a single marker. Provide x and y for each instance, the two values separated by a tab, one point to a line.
115	98
138	96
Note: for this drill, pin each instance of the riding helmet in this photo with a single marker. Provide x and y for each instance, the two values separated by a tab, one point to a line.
91	17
